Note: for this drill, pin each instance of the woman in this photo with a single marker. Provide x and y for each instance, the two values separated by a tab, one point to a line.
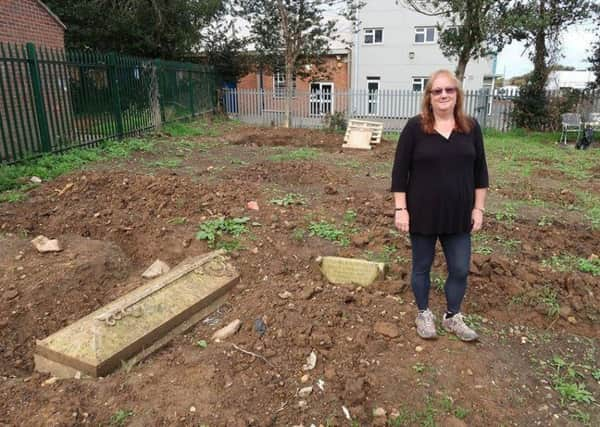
439	181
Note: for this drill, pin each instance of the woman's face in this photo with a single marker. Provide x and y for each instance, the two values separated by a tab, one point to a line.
443	94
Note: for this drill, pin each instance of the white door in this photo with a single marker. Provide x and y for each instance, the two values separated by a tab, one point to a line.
321	98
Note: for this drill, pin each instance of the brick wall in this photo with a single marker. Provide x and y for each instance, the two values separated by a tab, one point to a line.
25	21
336	72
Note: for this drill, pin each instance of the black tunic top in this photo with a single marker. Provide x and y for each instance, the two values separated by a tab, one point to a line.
439	177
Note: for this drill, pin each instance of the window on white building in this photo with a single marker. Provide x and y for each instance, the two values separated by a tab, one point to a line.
280	86
425	34
373	35
419	83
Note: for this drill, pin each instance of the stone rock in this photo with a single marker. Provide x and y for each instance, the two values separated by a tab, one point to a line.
227	331
379	412
252	205
50	381
419	349
330	189
285	295
387	329
36	180
157	268
304	378
305	392
43	244
565	311
11	294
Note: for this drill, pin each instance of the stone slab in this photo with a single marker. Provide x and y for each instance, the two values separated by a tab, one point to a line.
138	323
351	271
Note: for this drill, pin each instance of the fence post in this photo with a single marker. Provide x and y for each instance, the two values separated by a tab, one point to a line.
38	96
113	82
155	95
191	90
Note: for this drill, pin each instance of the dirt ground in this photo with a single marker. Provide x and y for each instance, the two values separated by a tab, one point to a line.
115	218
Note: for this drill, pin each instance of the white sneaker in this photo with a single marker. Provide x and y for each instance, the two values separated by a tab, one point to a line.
425	322
456	324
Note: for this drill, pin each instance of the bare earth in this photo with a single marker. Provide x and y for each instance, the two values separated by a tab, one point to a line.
118	217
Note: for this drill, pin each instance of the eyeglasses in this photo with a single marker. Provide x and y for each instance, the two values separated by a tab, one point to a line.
449	91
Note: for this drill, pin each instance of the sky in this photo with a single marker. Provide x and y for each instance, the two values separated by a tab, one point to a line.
513	61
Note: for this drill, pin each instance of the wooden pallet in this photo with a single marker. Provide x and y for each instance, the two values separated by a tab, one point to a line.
375	127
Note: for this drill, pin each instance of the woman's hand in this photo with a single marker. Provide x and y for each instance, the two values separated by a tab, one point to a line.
476	219
401	220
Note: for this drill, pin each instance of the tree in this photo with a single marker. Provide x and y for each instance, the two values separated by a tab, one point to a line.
540	23
472	29
288	34
226	52
169	29
595	56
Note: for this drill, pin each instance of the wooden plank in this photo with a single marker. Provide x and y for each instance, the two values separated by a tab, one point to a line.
375	127
140	321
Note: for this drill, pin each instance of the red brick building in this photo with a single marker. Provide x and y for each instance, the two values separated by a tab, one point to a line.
30	21
315	94
22	22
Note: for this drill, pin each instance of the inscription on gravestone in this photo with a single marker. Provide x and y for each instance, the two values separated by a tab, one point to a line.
346	271
137	322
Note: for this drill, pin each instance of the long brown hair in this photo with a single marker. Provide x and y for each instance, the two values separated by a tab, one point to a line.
463	123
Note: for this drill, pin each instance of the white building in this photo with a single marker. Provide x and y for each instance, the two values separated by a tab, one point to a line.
578	79
397	48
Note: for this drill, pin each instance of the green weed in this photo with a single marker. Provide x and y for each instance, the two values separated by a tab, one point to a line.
120	417
549	297
385	255
179	220
437	280
304	153
214	229
328	231
596	374
419	367
564	382
508	213
568	262
289	199
583	417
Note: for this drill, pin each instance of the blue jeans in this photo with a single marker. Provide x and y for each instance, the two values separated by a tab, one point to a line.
457	250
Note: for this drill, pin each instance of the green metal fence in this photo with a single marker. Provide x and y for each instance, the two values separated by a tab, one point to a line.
52	100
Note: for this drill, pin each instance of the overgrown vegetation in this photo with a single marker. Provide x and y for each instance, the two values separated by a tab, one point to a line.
304	153
53	165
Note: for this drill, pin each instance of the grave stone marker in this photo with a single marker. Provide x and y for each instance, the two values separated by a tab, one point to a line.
139	322
346	271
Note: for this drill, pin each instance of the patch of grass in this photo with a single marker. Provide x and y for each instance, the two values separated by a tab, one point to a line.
474	321
50	166
591	266
120	417
12	196
507	214
385	255
298	234
350	216
328	231
213	230
549	297
568	262
187	129
583	417
545	221
565	382
305	153
178	220
289	199
165	163
509	245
